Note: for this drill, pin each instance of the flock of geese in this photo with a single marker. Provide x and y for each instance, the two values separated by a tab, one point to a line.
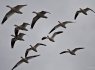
19	36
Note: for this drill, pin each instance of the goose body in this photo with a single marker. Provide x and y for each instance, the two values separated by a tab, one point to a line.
38	16
33	48
21	27
13	10
18	37
61	24
52	37
84	11
24	60
72	52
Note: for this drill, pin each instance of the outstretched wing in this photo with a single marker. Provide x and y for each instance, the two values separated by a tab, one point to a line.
77	13
7	16
87	9
21	61
64	52
38	44
30	57
77	49
43	38
18	7
55	27
16	31
34	21
56	33
13	40
27	51
24	24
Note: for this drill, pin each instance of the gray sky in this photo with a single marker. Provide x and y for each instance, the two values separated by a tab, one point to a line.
79	34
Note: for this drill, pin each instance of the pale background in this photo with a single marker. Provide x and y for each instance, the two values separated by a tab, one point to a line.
79	34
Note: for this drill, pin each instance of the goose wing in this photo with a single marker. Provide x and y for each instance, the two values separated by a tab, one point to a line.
13	40
87	9
18	63
18	7
43	38
16	31
30	57
76	49
66	22
38	44
24	24
64	52
56	33
21	35
76	14
27	51
7	16
55	27
44	12
34	21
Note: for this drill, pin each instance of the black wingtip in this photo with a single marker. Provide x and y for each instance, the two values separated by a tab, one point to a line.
61	53
43	38
4	20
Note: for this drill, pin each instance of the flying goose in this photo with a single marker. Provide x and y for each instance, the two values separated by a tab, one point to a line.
72	52
18	37
24	60
38	15
33	48
21	27
84	11
61	24
13	10
52	37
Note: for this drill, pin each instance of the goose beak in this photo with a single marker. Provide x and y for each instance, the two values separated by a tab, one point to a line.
48	12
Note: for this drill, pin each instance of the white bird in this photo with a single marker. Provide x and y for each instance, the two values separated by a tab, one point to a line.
13	10
52	37
33	48
38	15
72	52
61	24
21	27
18	37
84	11
24	60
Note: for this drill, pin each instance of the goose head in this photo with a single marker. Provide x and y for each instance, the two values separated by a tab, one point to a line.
34	12
21	57
13	35
59	21
47	36
15	25
80	8
68	49
31	46
7	6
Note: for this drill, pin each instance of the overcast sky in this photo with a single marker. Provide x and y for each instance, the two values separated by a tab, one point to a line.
79	34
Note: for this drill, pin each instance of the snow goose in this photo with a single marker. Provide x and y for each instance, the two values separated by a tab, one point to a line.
21	27
52	37
33	48
38	15
18	37
84	11
72	52
60	25
24	60
13	10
